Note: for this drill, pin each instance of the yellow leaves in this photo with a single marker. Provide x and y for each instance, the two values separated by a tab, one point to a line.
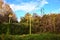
10	15
27	16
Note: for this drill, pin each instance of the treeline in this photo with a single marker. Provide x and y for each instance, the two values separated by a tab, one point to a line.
39	24
45	23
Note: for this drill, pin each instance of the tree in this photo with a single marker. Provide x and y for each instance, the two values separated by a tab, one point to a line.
5	10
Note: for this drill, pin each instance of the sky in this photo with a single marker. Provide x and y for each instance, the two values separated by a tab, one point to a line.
21	7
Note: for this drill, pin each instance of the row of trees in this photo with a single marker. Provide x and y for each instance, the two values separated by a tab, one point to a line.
45	23
39	24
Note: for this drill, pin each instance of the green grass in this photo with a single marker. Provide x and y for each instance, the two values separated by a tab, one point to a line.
42	36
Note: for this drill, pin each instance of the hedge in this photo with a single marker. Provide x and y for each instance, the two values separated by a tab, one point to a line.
14	29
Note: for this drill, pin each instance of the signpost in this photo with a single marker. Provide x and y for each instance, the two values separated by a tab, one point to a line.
30	25
10	15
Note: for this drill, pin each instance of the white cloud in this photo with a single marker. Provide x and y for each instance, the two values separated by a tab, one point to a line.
28	6
25	7
43	3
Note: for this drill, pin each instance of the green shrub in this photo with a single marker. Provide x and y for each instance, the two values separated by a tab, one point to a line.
14	29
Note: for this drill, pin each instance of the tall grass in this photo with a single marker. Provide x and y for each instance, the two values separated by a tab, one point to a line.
43	36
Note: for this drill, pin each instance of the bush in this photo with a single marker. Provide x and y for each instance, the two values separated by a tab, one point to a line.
14	29
3	28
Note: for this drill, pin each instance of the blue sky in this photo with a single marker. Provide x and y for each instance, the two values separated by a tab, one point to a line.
21	7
